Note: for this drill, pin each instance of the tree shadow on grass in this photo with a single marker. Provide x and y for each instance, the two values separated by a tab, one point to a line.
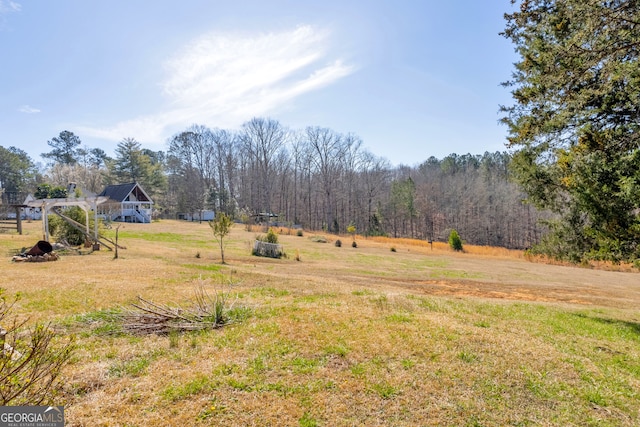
622	324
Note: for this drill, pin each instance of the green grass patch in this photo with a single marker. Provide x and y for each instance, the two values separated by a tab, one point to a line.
100	322
132	368
200	384
239	314
313	298
482	324
385	390
204	267
308	421
135	366
269	292
302	365
213	409
455	274
340	350
408	363
363	292
399	318
164	237
468	357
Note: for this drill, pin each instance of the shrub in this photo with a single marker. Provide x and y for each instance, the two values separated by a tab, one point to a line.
354	244
46	191
63	231
272	236
299	233
393	248
454	241
338	243
30	363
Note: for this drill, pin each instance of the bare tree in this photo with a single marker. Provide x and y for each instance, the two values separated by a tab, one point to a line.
374	175
328	149
191	155
262	140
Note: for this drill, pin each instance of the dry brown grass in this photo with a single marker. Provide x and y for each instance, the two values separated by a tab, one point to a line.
443	247
344	337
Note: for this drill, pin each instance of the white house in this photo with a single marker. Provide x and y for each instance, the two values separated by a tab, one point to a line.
29	212
203	215
127	203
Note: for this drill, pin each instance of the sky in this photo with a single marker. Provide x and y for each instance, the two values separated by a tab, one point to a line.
412	78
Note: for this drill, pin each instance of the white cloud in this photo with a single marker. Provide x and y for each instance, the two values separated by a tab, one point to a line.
6	8
9	6
226	79
27	109
144	129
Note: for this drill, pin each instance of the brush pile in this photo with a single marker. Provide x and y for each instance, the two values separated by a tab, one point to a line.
148	317
24	257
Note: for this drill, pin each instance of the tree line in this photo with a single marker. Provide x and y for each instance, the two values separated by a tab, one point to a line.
316	178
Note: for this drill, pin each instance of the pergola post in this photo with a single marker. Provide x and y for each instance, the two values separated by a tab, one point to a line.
18	220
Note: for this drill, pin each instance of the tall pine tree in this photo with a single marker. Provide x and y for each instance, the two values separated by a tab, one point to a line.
575	121
133	164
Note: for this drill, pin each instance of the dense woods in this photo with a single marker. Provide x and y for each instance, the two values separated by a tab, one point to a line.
315	178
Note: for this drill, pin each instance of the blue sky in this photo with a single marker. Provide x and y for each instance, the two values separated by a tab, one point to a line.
413	79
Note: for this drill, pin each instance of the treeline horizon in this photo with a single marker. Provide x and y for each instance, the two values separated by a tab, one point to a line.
316	178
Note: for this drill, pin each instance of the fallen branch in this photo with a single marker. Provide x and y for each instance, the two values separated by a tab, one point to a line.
149	317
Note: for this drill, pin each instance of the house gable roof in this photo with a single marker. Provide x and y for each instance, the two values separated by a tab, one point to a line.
120	192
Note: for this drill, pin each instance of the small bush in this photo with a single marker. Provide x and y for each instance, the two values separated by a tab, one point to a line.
63	231
31	362
454	241
270	237
338	243
299	233
354	244
393	249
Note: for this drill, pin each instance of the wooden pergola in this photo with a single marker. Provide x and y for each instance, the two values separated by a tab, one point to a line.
86	203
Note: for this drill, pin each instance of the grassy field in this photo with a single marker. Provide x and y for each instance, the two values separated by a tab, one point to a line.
328	336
